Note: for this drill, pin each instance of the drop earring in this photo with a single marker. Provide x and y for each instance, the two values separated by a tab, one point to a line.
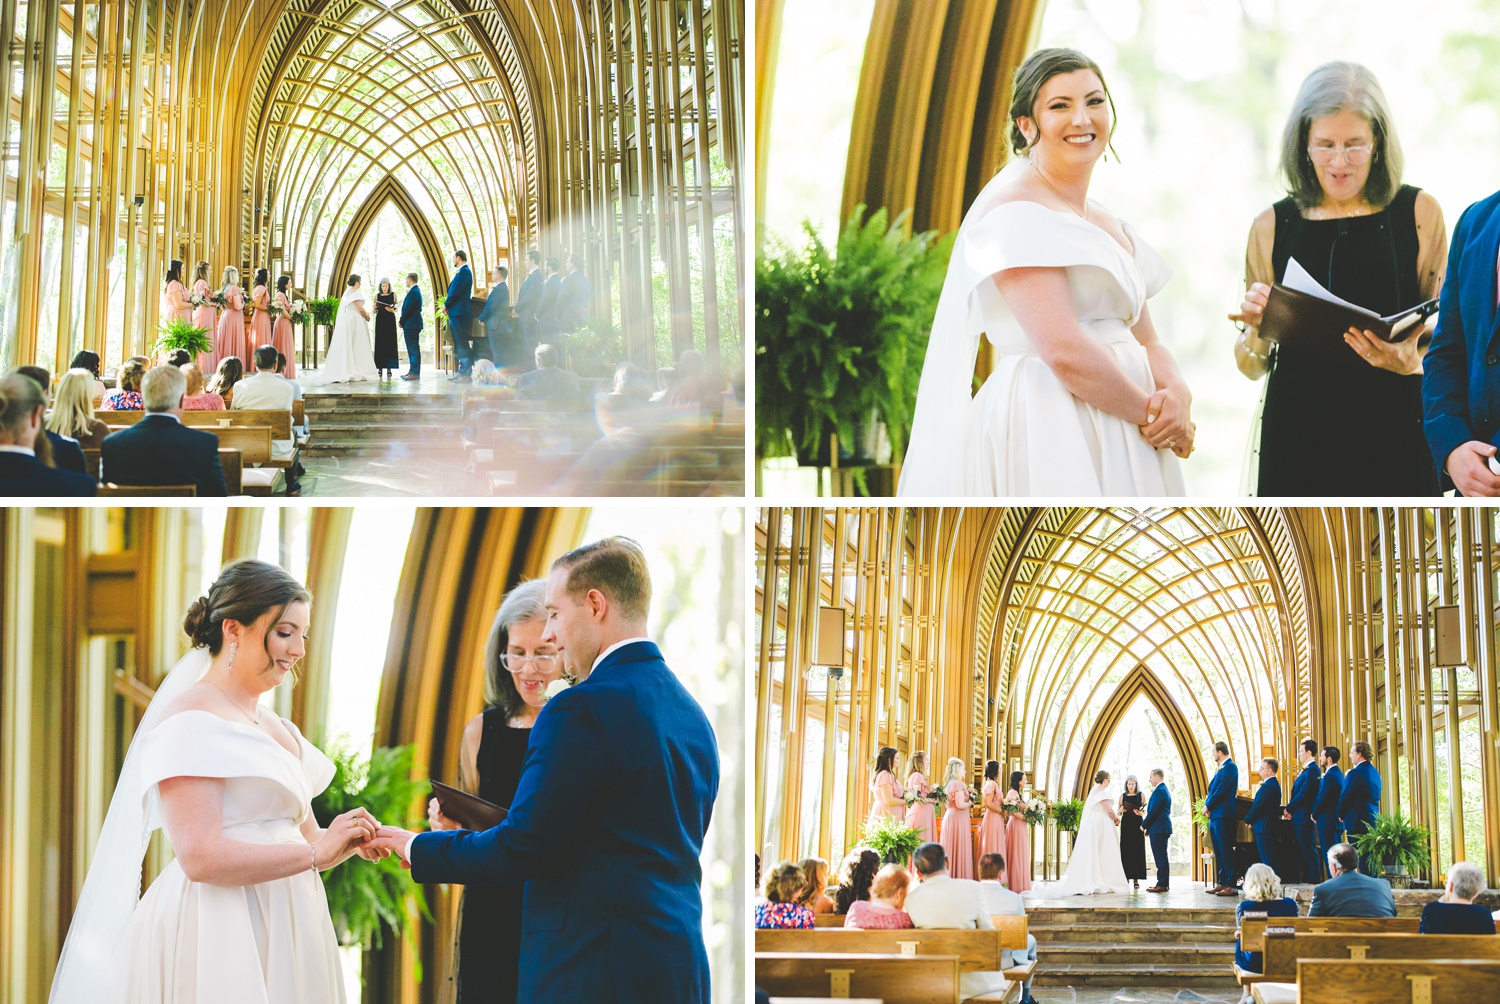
233	647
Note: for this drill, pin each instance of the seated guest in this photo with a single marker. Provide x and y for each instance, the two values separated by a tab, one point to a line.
296	388
73	410
265	391
855	876
87	360
1000	901
814	897
780	908
1348	893
1456	912
178	357
942	902
198	399
159	449
487	375
882	911
126	395
225	377
1262	892
66	453
549	381
22	473
628	403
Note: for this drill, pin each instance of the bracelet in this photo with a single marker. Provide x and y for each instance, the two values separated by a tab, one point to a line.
314	849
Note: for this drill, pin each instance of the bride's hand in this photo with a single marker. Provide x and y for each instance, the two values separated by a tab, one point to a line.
1168	424
347	832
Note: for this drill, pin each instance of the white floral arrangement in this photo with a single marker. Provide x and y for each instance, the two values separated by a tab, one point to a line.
560	684
197	300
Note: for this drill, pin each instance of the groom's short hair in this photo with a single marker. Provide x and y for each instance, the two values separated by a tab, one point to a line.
929	858
1158	772
461	255
412	276
1222	747
616	566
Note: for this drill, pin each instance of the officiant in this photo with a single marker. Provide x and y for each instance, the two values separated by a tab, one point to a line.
1343	419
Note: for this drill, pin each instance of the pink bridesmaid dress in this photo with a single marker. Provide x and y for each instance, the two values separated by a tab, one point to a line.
1017	848
282	335
206	318
231	338
885	783
177	305
991	836
260	325
921	815
958	845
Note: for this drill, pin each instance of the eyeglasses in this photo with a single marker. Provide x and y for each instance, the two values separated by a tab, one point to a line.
516	663
1352	154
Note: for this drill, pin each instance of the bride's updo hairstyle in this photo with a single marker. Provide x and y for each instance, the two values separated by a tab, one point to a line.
1026	87
244	591
353	281
1101	777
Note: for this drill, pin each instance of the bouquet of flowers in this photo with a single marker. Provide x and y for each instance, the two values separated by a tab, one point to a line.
1036	812
218	299
299	312
196	299
275	311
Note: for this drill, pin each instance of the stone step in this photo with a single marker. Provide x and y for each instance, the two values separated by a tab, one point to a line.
1138	956
391	432
1204	977
359	413
1172	932
385	448
1122	916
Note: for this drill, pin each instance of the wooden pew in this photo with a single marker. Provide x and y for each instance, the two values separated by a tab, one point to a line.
828	920
1253	929
1283	952
147	491
231	462
978	951
279	422
895	979
1406	981
253	444
91	461
826	1000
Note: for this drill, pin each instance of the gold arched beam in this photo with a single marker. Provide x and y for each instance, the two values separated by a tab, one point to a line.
389	191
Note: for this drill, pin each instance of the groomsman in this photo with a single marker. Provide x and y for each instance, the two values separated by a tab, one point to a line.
456	306
527	299
1360	802
547	307
1299	810
496	317
411	326
1265	809
1221	794
1326	810
1158	827
577	296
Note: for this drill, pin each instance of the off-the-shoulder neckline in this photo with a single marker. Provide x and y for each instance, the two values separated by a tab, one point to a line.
296	733
1080	219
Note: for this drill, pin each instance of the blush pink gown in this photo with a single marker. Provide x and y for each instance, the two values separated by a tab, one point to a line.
886	782
991	835
282	335
231	337
175	302
921	815
1017	851
260	324
958	844
206	318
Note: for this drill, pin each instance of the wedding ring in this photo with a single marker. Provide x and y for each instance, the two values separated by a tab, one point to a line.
1171	444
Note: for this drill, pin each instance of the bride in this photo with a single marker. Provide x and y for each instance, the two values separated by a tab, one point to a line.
1095	865
350	358
1084	399
239	916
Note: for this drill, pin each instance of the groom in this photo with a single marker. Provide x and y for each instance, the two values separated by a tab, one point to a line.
1158	827
612	908
411	326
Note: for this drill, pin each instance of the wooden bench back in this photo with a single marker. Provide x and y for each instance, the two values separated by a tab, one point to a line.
1253	929
91	461
1282	952
828	920
232	463
299	412
1012	930
253	442
977	951
895	979
1344	981
148	490
280	422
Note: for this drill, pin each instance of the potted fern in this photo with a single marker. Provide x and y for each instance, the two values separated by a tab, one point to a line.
1399	846
323	310
892	839
841	334
1200	822
174	333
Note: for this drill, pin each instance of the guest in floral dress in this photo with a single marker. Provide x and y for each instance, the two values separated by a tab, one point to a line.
127	396
883	910
780	908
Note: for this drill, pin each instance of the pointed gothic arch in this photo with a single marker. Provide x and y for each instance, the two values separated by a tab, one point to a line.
392	191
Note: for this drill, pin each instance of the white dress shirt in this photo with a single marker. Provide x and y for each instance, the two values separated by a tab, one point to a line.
266	392
946	903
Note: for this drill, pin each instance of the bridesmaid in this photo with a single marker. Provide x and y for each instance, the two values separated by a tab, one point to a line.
1132	837
174	299
231	337
205	316
991	839
283	334
958	845
920	815
1017	839
260	319
890	797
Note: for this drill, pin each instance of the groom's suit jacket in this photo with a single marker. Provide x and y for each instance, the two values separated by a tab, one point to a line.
605	830
1304	794
1158	821
1221	791
411	309
1460	383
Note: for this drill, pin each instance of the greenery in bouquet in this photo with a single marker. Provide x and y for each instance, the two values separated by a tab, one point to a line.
175	333
1200	816
1036	812
891	838
300	313
1395	843
366	898
1068	814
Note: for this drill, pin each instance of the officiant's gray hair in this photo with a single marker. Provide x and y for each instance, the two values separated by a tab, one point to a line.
526	602
1332	88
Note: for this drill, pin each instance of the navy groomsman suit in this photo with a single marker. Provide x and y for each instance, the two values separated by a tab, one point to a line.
460	317
1158	827
411	327
1264	811
528	298
1221	793
496	320
1300	808
1360	803
1326	814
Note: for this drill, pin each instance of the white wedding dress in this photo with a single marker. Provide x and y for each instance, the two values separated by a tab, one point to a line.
1024	433
1095	866
350	358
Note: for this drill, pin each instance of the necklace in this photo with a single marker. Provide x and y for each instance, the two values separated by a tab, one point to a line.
231	701
1039	174
1328	214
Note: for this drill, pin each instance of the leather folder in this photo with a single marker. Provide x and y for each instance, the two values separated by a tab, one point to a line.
469	811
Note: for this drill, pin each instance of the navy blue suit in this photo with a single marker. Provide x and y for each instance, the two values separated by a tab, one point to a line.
159	450
460	317
1461	382
577	294
1264	811
1222	788
24	476
1326	814
497	327
548	305
1300	808
528	298
1158	827
612	908
411	327
1360	803
67	455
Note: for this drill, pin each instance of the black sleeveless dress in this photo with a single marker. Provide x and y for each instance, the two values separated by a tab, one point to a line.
1334	424
1132	838
489	939
386	355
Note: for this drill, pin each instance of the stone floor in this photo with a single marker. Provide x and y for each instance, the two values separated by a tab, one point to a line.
389	477
1134	995
1182	896
433	381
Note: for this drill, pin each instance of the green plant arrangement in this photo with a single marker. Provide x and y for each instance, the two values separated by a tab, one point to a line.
594	350
841	334
1399	846
175	333
892	839
1036	812
1069	814
323	309
1200	816
365	898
